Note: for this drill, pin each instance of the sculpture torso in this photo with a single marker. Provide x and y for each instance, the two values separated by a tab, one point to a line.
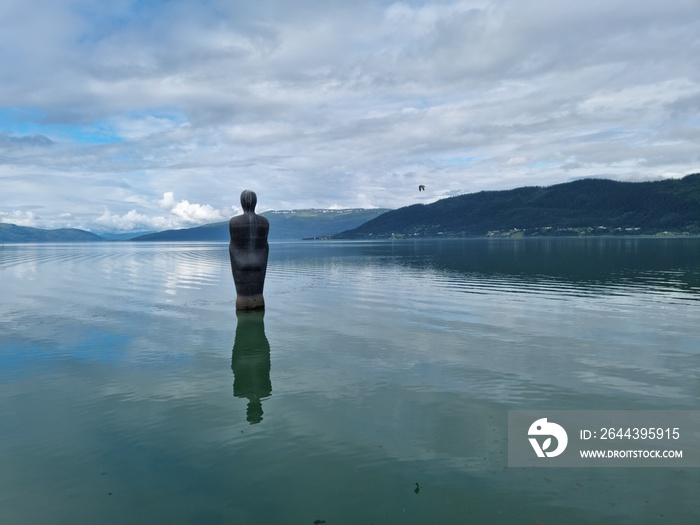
249	240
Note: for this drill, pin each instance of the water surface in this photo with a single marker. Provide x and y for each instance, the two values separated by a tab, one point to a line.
374	388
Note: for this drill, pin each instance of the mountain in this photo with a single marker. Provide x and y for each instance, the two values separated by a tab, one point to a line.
114	236
13	233
587	206
217	231
284	225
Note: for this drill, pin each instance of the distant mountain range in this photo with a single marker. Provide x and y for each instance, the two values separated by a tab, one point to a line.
14	233
284	225
582	207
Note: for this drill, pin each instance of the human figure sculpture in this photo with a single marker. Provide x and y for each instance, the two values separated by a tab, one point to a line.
248	250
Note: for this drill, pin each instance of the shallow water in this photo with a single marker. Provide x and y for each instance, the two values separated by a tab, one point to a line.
374	389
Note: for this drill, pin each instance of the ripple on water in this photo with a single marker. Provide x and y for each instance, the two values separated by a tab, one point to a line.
390	367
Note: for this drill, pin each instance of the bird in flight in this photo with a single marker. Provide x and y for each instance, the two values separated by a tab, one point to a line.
421	187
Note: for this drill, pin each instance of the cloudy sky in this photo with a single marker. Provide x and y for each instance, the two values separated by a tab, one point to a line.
140	115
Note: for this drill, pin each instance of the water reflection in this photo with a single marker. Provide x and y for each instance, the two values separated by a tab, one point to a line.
103	370
250	362
580	261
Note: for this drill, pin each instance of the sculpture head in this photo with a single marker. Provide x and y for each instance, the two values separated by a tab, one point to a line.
248	200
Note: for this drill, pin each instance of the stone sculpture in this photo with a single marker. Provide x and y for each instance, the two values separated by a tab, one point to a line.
249	250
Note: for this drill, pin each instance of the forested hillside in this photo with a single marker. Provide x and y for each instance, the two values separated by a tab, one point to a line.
589	206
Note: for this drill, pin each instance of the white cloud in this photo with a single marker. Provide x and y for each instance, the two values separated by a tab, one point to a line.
135	127
193	213
131	221
20	218
350	105
181	214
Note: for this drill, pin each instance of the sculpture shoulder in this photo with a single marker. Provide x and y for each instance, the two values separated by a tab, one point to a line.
245	220
244	217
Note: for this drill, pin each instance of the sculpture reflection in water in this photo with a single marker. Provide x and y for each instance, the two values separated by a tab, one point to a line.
250	362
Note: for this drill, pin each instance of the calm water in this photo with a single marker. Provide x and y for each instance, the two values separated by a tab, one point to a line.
374	390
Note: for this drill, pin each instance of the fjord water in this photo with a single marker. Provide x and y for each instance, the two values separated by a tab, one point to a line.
374	388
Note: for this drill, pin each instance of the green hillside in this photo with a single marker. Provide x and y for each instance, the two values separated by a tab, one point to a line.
589	207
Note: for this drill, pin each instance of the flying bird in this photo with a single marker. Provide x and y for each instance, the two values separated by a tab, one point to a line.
421	187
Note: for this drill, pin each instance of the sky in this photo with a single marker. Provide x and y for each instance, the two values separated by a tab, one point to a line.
138	115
